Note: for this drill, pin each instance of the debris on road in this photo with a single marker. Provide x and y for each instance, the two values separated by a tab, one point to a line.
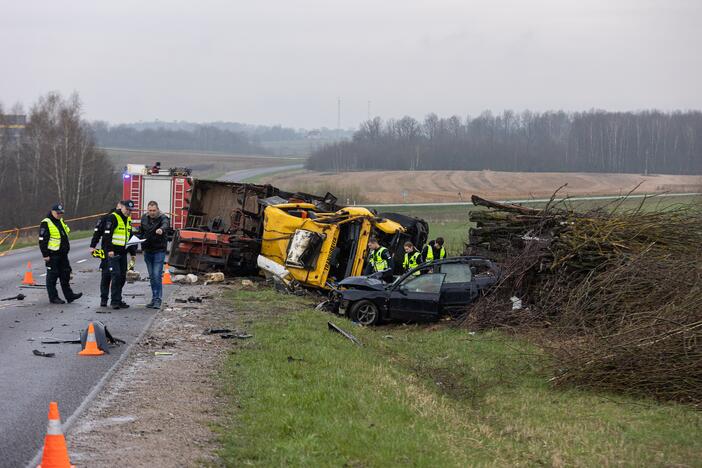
133	276
42	353
60	342
18	297
335	328
215	277
163	353
215	331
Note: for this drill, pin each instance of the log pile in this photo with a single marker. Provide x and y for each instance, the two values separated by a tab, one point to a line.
620	292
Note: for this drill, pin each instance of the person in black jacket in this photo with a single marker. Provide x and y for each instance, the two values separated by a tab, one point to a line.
115	230
154	230
54	246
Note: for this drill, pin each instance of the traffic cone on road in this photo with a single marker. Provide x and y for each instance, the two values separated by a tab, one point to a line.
91	347
28	276
166	276
55	453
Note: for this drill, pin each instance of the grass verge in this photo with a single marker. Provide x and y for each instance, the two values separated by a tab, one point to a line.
423	395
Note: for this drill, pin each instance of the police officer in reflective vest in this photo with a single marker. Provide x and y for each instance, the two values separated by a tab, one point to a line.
379	259
98	234
54	246
434	250
117	232
412	258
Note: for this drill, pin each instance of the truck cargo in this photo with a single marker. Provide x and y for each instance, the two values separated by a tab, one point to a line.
315	240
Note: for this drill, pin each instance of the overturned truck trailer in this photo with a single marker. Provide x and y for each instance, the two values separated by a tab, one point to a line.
305	238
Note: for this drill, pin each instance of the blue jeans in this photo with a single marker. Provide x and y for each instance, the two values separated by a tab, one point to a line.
154	265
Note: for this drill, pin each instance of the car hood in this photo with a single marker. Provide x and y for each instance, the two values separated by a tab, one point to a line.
362	282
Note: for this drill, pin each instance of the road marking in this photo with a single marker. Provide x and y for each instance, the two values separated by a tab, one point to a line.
81	261
44	274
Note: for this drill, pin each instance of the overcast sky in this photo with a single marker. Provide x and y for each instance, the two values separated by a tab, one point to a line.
287	61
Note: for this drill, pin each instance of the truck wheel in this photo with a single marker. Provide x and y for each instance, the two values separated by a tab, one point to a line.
365	312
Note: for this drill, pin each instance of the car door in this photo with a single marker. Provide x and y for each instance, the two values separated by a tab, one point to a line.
458	287
416	298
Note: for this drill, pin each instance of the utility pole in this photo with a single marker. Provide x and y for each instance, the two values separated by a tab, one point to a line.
338	113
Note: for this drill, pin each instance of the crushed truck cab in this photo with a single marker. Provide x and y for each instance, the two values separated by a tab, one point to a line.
317	247
238	228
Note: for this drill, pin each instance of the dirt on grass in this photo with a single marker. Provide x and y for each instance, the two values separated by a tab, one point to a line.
159	410
456	186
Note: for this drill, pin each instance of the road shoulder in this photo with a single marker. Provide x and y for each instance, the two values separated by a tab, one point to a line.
157	409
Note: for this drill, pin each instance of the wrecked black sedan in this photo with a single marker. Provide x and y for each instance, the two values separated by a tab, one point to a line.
422	294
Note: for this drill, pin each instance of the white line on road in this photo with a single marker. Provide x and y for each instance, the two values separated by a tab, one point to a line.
43	274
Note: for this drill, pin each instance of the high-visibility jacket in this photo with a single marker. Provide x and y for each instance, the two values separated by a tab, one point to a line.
377	261
411	261
430	253
55	234
122	231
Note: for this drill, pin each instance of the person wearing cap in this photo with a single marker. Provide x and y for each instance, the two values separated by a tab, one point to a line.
54	246
115	235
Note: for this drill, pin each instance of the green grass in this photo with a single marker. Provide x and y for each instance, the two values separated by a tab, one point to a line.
28	241
425	396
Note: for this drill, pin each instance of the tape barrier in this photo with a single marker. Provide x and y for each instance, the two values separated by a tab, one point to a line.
15	233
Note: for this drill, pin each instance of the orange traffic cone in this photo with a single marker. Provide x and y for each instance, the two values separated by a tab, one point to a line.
166	276
91	347
28	276
55	454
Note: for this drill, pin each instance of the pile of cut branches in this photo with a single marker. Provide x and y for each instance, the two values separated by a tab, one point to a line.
621	292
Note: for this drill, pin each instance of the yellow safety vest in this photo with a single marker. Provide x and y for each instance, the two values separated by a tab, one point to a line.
378	262
122	231
411	261
430	253
55	234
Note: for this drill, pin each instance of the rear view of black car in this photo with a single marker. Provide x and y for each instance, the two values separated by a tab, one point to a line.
423	294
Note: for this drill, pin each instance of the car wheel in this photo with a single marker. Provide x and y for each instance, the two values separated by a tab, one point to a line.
365	313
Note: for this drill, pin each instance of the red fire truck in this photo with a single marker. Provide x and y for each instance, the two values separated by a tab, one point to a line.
167	187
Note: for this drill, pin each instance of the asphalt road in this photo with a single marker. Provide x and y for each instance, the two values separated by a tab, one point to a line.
243	174
27	382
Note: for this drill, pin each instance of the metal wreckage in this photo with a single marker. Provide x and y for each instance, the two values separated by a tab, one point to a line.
302	239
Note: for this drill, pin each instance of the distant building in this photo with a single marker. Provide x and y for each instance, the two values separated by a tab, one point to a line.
13	125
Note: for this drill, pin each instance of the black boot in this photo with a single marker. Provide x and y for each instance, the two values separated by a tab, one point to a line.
74	297
57	300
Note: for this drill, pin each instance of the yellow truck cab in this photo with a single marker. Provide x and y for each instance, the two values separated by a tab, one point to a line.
319	248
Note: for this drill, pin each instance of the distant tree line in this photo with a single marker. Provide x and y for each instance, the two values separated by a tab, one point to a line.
594	141
52	159
197	138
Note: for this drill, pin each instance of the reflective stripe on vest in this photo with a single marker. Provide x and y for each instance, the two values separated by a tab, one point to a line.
377	260
411	262
122	230
55	234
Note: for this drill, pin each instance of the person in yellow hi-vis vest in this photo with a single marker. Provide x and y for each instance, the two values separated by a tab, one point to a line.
54	246
117	232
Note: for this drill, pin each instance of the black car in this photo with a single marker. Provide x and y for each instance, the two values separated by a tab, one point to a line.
422	294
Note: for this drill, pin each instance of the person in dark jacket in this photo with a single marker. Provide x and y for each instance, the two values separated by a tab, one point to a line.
115	230
54	246
154	230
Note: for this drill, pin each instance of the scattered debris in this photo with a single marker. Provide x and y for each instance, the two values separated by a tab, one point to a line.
216	277
240	336
194	299
60	342
42	353
247	283
293	359
18	297
348	335
215	331
180	301
163	353
133	276
190	278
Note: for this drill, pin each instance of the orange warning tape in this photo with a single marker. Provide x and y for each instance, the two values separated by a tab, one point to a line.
16	232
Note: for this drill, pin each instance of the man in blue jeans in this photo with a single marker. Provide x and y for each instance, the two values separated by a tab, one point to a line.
154	231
